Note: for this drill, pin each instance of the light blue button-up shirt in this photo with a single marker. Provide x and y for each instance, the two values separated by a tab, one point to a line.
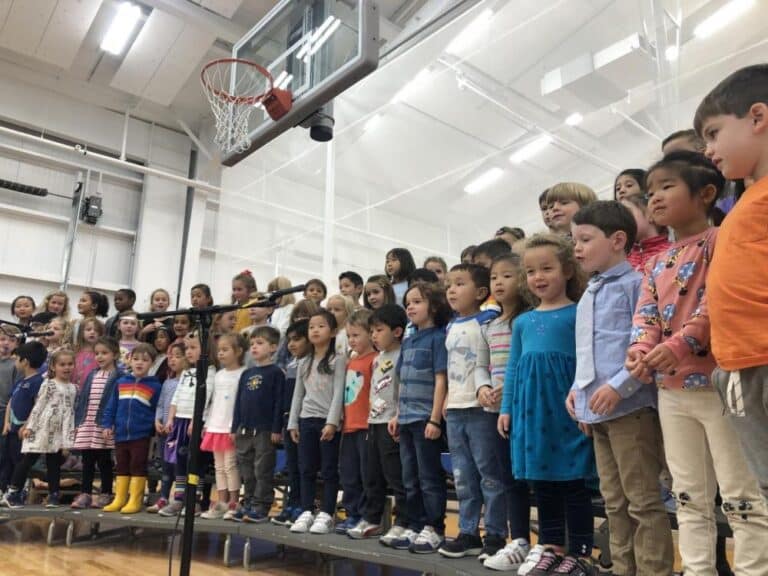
614	306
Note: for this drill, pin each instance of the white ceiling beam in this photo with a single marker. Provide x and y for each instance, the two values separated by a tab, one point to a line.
201	18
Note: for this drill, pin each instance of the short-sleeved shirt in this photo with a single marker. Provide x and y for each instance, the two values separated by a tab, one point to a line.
357	388
422	356
385	386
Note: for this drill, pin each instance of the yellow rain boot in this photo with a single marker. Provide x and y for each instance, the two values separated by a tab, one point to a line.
138	483
121	494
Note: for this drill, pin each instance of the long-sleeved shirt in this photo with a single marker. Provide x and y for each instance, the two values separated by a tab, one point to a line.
468	360
617	291
219	412
317	394
166	395
259	401
23	399
422	356
646	249
8	377
184	396
672	310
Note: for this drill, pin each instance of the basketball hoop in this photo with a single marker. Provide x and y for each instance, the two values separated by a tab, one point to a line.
235	88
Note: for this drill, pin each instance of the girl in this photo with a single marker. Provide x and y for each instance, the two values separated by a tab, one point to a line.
316	291
505	289
50	427
547	447
23	308
316	408
56	303
398	266
342	308
127	330
280	318
257	315
91	304
200	296
303	310
651	240
670	347
97	388
629	183
177	363
60	334
563	201
423	385
218	425
377	292
163	339
438	266
182	326
85	356
159	301
243	285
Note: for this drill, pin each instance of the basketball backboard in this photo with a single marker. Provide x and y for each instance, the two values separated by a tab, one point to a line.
314	48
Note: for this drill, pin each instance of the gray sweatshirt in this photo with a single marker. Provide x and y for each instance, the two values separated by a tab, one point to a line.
318	395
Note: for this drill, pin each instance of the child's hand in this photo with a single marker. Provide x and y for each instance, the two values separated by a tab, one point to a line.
159	428
570	404
394	429
662	359
169	426
605	400
329	431
107	433
6	428
276	438
498	392
636	366
233	438
25	433
502	425
189	429
485	397
432	431
585	428
294	436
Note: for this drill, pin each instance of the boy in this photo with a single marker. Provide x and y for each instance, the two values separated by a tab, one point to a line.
354	449
28	359
8	371
733	120
682	140
619	410
351	284
384	470
298	346
129	417
471	430
488	250
257	425
124	300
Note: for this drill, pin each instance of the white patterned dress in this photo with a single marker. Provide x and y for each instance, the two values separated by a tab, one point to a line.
52	420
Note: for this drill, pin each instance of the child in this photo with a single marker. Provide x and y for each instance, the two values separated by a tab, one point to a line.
738	309
618	410
182	326
298	345
59	334
303	310
128	418
315	290
629	183
398	266
424	275
384	469
23	308
505	289
243	285
200	296
49	429
128	329
258	315
177	363
563	201
354	450
178	424
8	371
421	369
28	359
378	291
351	284
438	266
486	252
467	253
547	447
510	235
670	347
649	241
314	422
224	323
161	343
159	301
124	300
477	469
545	213
342	308
56	303
97	390
281	314
85	356
683	140
257	424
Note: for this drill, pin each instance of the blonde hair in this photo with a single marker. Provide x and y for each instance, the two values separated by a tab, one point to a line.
80	344
574	191
563	248
66	330
55	360
44	306
349	304
281	283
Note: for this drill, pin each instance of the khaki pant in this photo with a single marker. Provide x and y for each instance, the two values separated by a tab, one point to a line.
628	457
703	451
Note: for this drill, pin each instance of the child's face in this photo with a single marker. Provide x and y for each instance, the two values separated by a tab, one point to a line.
23	309
57	327
382	336
192	352
259	315
438	269
626	186
375	295
504	278
544	273
482	259
546	215
314	292
84	305
227	322
417	308
733	144
239	291
160	302
140	364
391	266
176	360
162	341
181	326
670	200
359	338
90	333
463	295
123	301
594	250
227	354
5	345
262	349
129	326
105	358
57	304
320	331
20	364
336	307
561	212
348	288
64	367
298	346
198	298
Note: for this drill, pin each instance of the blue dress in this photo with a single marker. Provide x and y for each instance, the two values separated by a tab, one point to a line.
546	443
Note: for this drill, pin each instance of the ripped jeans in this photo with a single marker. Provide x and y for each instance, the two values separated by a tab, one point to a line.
702	451
477	472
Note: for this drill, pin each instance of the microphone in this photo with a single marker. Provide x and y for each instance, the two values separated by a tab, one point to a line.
39	334
277	294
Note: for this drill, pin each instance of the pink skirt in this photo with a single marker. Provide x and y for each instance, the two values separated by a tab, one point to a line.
217	442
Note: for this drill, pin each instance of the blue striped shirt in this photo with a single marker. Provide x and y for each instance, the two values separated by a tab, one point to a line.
422	356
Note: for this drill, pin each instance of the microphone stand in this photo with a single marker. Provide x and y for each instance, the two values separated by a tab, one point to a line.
204	318
24	329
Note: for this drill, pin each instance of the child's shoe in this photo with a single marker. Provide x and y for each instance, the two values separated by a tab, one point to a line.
343	527
303	523
364	529
13	499
256	516
284	518
509	558
491	545
82	502
573	566
53	500
463	545
215	512
427	542
102	500
231	512
172	509
399	538
323	524
549	560
157	506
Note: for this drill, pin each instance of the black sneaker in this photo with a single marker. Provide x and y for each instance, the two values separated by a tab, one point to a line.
464	545
572	566
492	545
547	564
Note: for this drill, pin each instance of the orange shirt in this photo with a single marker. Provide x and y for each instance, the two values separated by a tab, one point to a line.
737	285
357	391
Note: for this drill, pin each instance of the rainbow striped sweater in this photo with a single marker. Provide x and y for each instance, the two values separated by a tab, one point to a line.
131	409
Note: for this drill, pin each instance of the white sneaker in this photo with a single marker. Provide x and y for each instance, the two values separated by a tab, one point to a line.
323	524
531	560
215	512
364	529
427	542
303	523
511	557
398	538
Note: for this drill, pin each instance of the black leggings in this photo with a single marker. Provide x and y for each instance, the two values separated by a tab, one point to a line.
52	464
565	505
102	458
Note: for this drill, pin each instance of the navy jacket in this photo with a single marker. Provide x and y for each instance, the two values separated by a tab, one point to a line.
259	402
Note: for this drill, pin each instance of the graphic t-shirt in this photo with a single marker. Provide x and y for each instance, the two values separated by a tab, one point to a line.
384	388
357	387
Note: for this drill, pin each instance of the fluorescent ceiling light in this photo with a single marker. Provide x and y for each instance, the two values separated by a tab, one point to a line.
128	15
419	80
574	119
615	51
484	180
474	30
722	17
672	53
531	149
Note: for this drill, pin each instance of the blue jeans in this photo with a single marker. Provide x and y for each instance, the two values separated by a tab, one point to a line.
477	471
423	477
316	456
292	464
353	464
